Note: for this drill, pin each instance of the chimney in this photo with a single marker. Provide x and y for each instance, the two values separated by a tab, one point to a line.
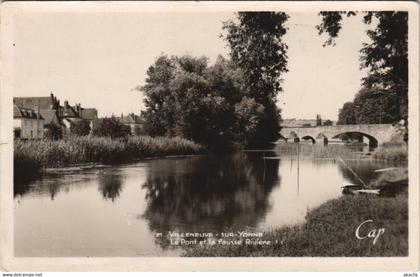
122	115
66	104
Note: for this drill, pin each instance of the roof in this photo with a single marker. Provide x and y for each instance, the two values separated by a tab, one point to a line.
69	111
46	102
72	119
20	112
50	116
132	119
89	113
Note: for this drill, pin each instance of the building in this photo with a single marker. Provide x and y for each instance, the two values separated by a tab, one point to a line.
27	123
89	114
73	114
43	103
134	121
53	113
50	117
48	107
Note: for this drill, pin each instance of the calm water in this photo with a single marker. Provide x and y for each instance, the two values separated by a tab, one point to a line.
116	211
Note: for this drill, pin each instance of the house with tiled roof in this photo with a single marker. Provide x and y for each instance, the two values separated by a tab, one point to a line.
50	116
135	122
72	114
27	123
43	103
52	112
48	107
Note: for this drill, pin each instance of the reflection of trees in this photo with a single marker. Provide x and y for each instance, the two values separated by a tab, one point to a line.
41	187
51	184
209	194
110	184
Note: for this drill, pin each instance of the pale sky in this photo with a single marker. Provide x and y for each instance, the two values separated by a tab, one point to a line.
97	59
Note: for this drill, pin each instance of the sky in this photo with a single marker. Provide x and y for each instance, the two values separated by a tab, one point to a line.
97	59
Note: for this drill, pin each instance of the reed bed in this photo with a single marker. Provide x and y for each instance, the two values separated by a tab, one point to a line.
80	150
391	153
317	151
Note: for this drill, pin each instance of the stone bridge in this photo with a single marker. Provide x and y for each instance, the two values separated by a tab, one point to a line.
373	134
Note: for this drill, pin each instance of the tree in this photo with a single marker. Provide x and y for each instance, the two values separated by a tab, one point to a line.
360	111
328	123
80	128
111	127
54	131
256	45
346	115
138	130
158	99
198	101
318	120
248	116
385	56
384	103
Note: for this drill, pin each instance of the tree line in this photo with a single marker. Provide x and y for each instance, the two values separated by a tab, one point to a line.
383	97
229	104
232	103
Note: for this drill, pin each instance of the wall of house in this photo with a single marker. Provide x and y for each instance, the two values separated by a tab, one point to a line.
31	128
17	123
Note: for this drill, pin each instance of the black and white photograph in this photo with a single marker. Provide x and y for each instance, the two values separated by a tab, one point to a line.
188	130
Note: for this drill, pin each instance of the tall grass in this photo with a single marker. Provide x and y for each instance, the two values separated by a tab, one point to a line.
79	150
393	153
329	231
317	151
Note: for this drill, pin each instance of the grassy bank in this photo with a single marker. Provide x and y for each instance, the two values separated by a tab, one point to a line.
329	230
31	156
392	153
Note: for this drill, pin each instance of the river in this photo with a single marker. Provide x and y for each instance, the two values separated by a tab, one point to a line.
116	211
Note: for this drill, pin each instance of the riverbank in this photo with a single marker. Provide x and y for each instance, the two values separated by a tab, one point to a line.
329	230
390	152
397	153
31	156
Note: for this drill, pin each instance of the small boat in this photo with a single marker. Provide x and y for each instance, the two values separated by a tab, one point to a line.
367	191
349	188
385	169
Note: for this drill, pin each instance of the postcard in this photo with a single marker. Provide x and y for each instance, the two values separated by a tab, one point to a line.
209	136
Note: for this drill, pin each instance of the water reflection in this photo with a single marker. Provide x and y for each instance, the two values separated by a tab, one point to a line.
49	186
208	194
119	209
110	184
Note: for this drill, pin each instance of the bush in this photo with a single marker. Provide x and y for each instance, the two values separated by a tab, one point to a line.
111	127
80	128
392	153
54	131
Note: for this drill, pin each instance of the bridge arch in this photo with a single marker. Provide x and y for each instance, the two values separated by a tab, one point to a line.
373	142
322	138
307	137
